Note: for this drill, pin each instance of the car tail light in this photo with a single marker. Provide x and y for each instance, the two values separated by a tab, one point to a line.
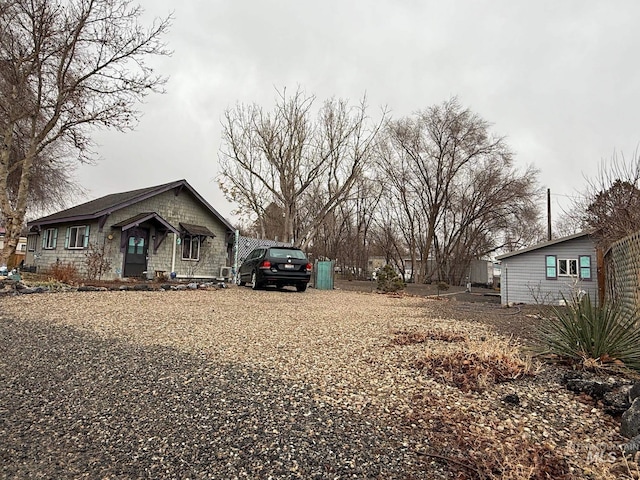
309	267
266	264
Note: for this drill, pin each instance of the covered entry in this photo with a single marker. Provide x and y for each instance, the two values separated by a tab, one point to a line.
136	252
136	238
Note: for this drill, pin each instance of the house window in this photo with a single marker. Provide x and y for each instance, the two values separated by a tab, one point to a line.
191	248
32	241
551	266
77	237
585	267
49	238
567	267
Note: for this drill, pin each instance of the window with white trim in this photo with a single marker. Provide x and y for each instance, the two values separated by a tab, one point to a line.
567	267
191	247
49	238
77	237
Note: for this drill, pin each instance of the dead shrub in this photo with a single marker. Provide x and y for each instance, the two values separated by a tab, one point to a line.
97	261
64	272
404	337
476	370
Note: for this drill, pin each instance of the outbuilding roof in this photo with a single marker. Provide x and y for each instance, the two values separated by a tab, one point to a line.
543	245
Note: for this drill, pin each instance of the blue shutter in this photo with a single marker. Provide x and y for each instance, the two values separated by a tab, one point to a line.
584	267
86	237
66	238
551	267
44	239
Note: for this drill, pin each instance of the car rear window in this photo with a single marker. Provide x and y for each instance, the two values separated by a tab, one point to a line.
286	253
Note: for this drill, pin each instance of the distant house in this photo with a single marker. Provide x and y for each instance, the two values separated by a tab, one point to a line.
545	272
480	272
145	233
21	248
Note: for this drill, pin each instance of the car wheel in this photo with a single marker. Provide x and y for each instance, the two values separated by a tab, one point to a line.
254	281
301	287
239	281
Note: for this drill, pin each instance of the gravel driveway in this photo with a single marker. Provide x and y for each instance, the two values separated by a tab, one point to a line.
237	383
74	405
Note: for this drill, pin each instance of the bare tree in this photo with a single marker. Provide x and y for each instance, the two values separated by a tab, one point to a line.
492	210
401	205
609	207
458	188
613	200
283	155
243	171
389	237
52	183
345	233
65	68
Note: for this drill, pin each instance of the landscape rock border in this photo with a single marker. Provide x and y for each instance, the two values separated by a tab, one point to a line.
17	287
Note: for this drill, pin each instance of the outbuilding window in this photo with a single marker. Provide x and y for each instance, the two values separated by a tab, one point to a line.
568	267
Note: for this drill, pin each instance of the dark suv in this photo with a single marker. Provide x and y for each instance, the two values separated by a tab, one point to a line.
279	266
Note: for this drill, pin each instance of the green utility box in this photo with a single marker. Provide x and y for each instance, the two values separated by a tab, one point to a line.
323	275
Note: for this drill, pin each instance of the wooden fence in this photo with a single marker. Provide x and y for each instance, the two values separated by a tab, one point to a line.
622	273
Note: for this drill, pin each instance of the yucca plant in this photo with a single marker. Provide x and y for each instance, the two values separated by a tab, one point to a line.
596	336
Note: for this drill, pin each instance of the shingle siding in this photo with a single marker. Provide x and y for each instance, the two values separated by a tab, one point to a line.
45	258
523	278
175	209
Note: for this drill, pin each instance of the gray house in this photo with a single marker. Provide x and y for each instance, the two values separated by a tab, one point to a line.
545	272
145	233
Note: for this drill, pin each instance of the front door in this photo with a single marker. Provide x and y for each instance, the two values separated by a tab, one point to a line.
135	258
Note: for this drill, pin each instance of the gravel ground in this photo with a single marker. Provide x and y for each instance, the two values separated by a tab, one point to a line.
236	383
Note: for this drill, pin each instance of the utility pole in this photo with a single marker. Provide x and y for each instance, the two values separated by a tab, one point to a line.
548	214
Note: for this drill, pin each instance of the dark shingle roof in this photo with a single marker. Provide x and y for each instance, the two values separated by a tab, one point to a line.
110	203
198	230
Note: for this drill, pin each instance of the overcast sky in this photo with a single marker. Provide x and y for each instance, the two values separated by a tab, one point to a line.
559	79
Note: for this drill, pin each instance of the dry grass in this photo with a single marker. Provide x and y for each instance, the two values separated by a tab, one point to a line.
404	337
63	272
477	366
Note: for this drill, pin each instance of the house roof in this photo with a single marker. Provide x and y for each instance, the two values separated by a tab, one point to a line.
543	245
106	205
